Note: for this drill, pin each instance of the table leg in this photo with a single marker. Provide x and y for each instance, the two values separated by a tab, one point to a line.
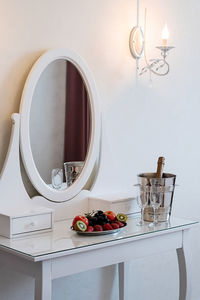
185	261
123	271
43	282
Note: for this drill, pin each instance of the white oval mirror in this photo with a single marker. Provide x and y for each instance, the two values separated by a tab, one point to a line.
60	125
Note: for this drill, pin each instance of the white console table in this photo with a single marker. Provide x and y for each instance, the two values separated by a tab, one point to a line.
63	252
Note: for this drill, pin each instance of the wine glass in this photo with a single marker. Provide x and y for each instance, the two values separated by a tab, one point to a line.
57	178
142	201
155	200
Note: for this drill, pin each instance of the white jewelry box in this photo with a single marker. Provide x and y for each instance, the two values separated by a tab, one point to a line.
17	222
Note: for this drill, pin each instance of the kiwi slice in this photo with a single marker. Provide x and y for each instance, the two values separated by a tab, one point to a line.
121	217
80	226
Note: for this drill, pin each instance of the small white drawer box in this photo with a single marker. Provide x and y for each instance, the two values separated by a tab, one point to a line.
29	221
119	203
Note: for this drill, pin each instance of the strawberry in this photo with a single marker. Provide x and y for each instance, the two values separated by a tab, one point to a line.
120	224
98	228
107	226
114	225
90	229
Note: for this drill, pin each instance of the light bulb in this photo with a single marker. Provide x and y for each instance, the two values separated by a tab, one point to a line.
165	35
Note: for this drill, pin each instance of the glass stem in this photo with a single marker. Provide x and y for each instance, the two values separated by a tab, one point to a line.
141	219
155	220
142	215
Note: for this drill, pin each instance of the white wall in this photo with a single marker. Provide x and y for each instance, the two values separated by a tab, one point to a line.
140	122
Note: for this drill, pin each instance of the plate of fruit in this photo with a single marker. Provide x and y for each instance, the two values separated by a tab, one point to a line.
99	223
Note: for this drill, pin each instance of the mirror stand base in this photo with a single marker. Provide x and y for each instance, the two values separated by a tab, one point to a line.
11	184
15	199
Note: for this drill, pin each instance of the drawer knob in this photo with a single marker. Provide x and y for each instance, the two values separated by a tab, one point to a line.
31	225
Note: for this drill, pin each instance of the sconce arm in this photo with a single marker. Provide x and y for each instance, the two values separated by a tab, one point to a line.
155	66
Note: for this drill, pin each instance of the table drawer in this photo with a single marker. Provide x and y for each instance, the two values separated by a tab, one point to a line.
31	223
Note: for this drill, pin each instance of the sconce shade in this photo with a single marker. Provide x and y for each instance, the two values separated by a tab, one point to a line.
136	42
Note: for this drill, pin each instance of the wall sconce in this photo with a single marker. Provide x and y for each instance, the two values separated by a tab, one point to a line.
137	43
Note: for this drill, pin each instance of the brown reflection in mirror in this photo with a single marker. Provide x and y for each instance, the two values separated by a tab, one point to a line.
77	124
77	117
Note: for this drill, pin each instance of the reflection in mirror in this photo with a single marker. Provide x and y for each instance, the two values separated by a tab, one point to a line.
60	121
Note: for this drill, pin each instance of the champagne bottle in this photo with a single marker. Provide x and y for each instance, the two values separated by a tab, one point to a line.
161	163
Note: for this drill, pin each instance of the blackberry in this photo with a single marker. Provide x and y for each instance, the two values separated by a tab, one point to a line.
100	212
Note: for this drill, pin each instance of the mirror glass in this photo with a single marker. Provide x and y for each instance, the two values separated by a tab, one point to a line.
60	124
136	42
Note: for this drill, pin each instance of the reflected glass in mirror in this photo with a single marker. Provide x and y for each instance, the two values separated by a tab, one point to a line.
60	124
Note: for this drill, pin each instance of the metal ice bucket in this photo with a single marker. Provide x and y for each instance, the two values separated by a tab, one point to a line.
164	187
72	171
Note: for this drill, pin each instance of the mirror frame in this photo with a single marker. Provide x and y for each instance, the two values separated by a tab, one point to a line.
25	108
